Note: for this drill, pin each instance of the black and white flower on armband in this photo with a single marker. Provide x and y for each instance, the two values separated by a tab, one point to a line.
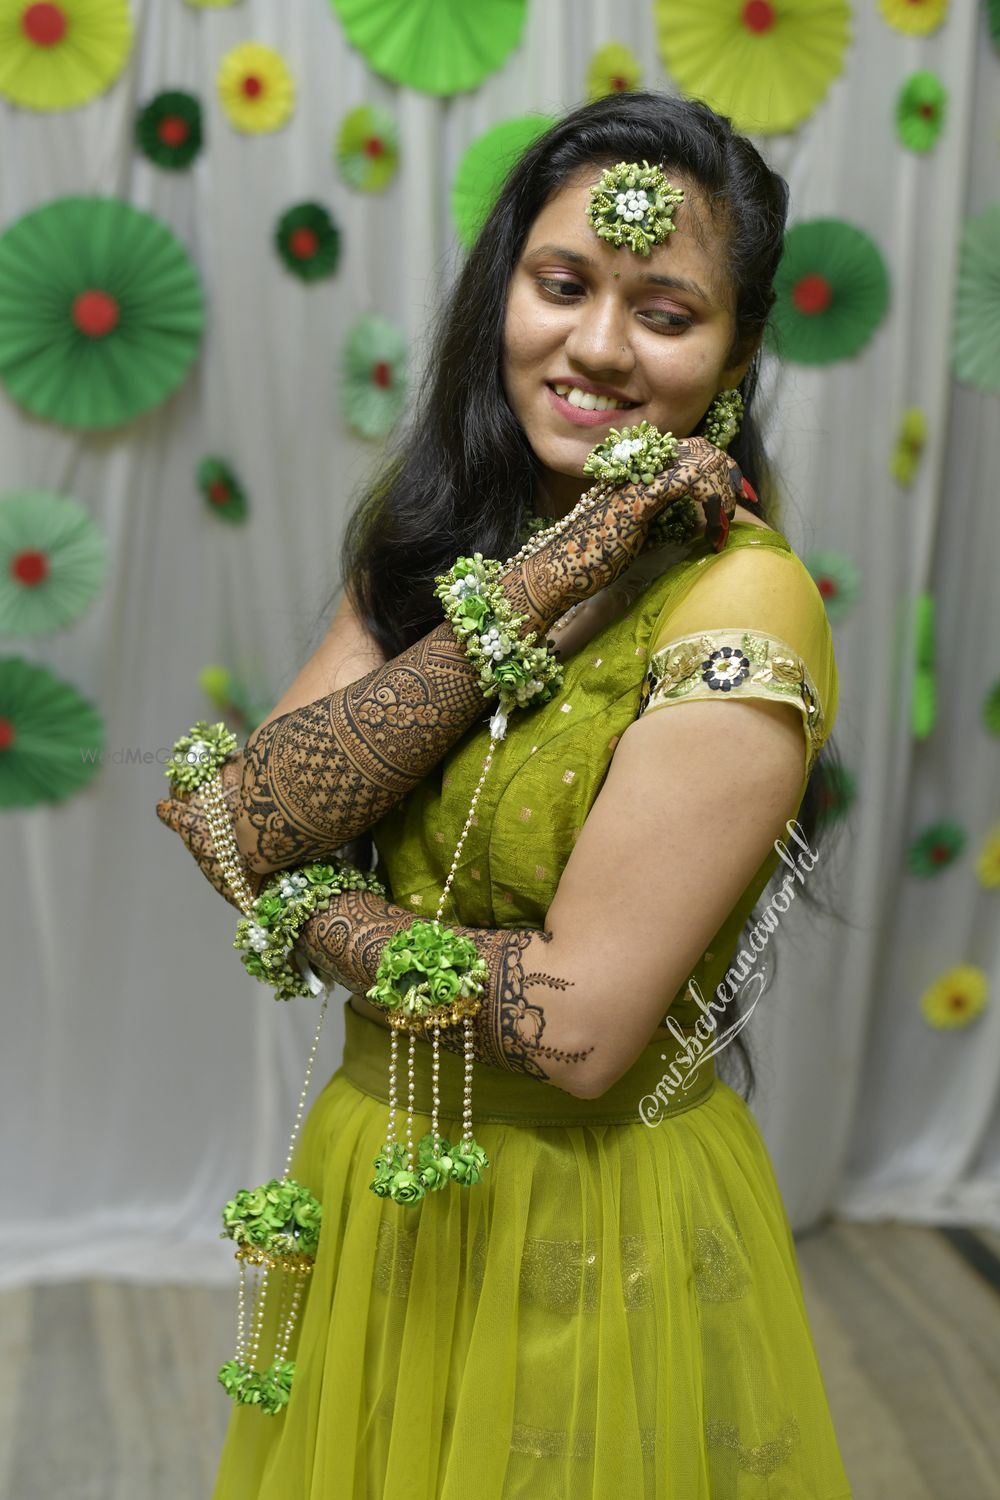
725	669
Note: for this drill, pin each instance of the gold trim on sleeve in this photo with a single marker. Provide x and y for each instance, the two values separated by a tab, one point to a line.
743	663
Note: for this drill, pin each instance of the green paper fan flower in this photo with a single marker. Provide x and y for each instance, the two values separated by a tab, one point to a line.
56	56
614	69
911	436
230	697
921	106
484	167
101	312
832	287
838	790
991	709
838	579
222	490
935	849
373	378
51	737
976	326
367	148
52	559
168	129
993	21
308	241
436	46
766	63
923	702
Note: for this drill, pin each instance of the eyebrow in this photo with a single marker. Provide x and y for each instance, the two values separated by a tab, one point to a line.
574	256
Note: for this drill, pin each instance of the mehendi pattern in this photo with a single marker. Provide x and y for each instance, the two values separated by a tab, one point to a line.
745	663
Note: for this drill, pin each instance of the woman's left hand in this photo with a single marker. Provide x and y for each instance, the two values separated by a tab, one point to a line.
184	812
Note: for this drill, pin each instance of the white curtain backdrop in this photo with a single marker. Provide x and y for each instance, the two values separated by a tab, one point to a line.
144	1077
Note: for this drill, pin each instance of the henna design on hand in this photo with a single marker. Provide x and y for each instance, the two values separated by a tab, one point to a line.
184	812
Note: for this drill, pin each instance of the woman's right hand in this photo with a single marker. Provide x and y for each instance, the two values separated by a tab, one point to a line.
604	540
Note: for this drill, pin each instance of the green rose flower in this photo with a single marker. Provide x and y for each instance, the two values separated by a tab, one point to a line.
436	1173
406	1188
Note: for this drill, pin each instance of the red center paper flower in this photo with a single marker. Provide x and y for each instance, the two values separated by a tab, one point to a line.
95	313
45	25
172	130
827	587
30	568
928	111
940	854
374	147
957	1002
218	492
7	734
619	84
303	243
252	86
812	294
382	375
758	15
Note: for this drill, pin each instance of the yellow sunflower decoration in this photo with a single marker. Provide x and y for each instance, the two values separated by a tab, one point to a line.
956	998
56	56
256	88
988	863
764	63
914	17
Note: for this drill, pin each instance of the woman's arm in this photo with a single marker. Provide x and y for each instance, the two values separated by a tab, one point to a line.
318	776
574	1004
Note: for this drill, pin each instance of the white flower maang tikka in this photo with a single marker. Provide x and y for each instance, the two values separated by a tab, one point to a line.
633	205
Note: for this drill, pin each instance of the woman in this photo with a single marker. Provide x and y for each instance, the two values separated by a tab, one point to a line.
615	1309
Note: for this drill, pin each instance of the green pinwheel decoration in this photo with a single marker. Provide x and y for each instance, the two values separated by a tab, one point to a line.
101	312
485	166
367	149
52	561
373	377
933	850
832	290
436	46
222	490
308	241
921	106
168	129
976	324
838	579
51	737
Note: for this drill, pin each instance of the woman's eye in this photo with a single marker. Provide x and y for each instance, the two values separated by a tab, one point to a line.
659	318
668	322
558	286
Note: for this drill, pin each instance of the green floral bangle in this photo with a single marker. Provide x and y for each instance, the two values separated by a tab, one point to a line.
283	906
483	620
633	456
428	975
281	1218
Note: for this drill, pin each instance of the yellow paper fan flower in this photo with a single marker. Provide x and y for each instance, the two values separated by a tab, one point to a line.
914	17
988	863
256	88
57	56
956	998
911	436
614	69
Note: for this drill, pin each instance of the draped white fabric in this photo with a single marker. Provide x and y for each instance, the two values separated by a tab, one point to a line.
145	1078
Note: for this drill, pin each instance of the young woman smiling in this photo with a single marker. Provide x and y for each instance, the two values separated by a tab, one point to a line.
616	1308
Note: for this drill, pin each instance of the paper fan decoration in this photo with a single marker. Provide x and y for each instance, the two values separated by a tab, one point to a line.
483	168
436	46
256	88
51	738
373	381
308	241
993	21
935	849
56	56
910	439
211	4
229	697
956	998
923	703
832	288
764	63
837	577
991	709
837	791
613	70
52	559
168	129
988	862
222	490
101	312
914	17
367	148
920	110
976	327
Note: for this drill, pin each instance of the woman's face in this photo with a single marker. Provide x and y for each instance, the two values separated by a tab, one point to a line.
586	321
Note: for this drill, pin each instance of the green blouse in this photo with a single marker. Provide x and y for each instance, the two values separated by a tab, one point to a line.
746	622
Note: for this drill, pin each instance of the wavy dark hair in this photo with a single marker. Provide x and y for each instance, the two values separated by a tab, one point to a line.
461	475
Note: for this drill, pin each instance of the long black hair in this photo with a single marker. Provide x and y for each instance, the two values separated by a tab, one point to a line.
461	475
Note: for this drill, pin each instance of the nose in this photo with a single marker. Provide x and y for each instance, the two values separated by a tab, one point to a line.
599	338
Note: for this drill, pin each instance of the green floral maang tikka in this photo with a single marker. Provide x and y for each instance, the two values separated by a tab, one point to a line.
633	205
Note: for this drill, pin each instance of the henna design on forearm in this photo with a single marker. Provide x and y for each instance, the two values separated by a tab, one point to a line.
344	944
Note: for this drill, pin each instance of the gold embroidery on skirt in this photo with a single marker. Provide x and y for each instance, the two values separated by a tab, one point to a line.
719	1263
394	1250
533	1442
758	1458
564	1275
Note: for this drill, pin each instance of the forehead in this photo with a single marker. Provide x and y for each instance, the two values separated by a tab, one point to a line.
695	251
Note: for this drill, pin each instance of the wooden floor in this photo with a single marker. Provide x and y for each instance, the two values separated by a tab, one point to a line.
107	1389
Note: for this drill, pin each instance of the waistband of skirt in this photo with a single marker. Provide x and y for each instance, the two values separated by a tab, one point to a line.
659	1084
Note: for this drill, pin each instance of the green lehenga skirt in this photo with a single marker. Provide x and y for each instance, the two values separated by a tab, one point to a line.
614	1311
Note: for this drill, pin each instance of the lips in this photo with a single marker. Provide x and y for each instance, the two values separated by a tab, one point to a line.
581	418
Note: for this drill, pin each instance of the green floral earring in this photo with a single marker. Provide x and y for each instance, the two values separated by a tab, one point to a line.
723	418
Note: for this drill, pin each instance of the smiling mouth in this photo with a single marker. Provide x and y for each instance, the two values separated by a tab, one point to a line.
587	401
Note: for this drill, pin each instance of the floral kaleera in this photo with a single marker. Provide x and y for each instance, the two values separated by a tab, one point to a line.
633	205
430	977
